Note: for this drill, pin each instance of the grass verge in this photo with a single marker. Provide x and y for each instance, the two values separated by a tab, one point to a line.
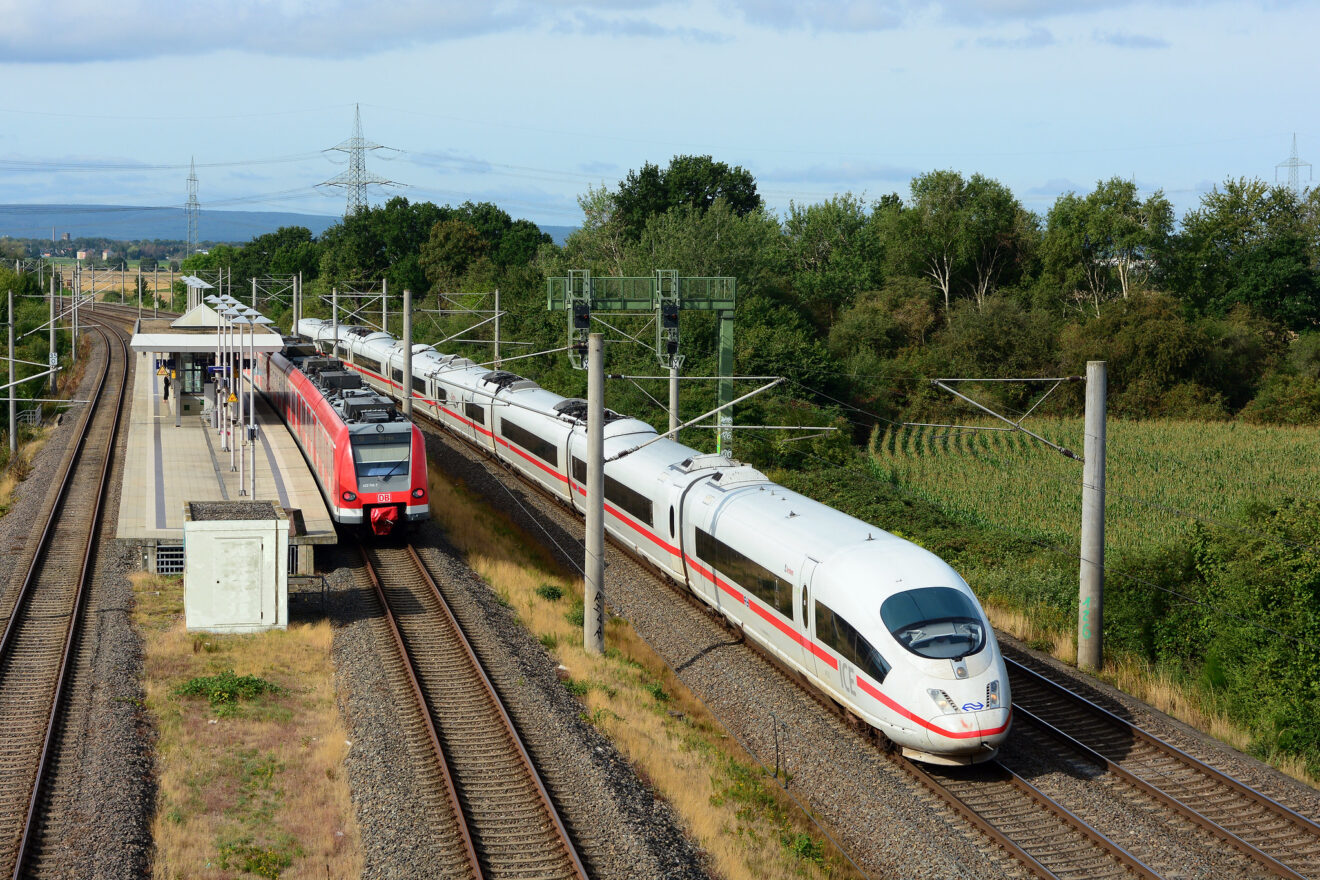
737	814
250	752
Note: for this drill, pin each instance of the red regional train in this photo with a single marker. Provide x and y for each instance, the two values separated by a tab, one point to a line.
369	461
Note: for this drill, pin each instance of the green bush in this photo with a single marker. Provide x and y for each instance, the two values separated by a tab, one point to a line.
225	690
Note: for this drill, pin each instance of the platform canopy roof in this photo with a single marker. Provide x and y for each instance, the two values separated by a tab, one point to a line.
197	331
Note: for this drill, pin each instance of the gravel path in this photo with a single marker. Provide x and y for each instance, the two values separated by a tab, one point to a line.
889	825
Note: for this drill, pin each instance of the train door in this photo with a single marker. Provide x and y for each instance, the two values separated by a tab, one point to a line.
699	513
802	615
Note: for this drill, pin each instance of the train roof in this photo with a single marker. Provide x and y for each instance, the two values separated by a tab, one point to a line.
343	390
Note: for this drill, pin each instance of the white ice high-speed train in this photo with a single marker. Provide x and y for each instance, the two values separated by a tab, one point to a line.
884	627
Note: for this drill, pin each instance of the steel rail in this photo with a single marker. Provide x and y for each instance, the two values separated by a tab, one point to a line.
451	793
73	626
1106	847
492	696
1095	753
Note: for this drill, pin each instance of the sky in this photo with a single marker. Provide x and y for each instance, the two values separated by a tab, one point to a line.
529	104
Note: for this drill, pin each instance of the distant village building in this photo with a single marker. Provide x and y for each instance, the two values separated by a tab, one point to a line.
105	255
82	255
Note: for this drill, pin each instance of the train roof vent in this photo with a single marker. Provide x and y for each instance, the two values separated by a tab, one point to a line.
705	462
367	407
575	408
508	381
359	330
338	380
739	475
313	364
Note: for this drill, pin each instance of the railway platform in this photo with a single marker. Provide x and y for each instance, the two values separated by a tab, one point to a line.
167	465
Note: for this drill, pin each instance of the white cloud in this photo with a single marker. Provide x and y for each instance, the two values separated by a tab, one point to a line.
90	30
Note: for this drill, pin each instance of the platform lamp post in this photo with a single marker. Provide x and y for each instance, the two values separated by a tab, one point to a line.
214	302
259	320
242	321
230	314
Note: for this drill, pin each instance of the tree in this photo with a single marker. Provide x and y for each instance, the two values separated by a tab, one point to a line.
1251	243
964	234
832	252
1094	247
696	181
454	246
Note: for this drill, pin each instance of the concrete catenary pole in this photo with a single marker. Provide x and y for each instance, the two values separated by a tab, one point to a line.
334	321
406	390
139	291
593	616
73	299
51	356
13	416
1090	607
497	328
251	432
384	305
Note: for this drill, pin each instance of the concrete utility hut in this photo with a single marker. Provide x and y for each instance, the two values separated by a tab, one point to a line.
190	447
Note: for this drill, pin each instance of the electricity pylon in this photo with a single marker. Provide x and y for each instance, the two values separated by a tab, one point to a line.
356	178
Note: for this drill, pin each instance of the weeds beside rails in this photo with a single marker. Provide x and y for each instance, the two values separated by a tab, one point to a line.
748	827
250	748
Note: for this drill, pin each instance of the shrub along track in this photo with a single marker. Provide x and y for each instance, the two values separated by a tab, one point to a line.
844	778
498	818
43	614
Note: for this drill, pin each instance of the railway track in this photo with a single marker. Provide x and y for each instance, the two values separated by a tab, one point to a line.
1284	842
1039	832
41	612
504	822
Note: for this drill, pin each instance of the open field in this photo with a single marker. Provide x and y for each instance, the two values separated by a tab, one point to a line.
1161	476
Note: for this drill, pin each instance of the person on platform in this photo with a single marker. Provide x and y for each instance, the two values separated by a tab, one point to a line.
167	386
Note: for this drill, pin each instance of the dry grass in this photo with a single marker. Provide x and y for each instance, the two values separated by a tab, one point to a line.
261	786
749	828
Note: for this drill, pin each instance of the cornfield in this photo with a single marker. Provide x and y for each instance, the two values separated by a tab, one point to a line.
1161	476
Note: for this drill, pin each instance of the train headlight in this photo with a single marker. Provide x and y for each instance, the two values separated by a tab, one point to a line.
946	705
992	695
349	496
418	493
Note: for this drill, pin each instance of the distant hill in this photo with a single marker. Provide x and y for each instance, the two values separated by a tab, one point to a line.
133	223
130	223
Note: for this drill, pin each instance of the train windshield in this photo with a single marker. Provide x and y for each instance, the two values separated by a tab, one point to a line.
381	455
937	622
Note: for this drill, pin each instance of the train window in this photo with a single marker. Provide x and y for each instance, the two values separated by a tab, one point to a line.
757	580
474	412
419	384
381	455
840	635
398	376
538	446
671	520
621	496
937	622
367	363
